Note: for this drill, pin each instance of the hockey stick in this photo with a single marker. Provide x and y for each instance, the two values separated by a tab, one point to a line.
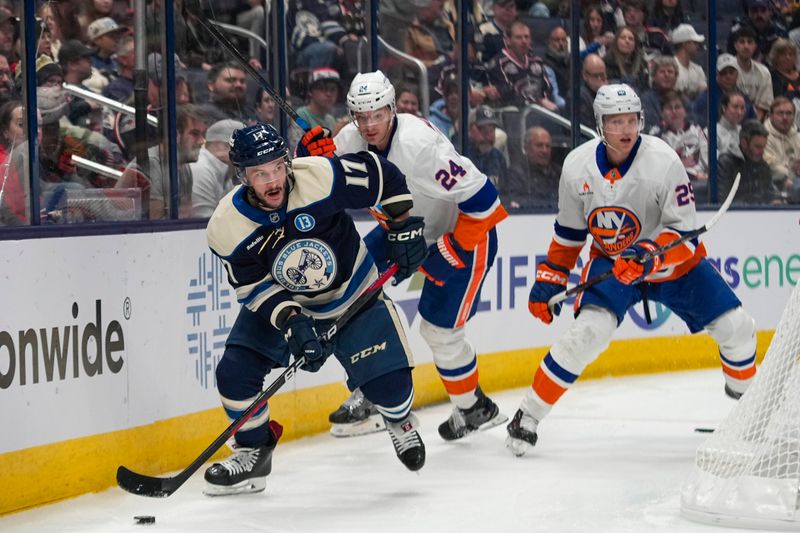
560	297
160	487
230	47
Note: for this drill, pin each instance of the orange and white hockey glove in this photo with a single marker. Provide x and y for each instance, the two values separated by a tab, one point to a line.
317	141
551	279
629	267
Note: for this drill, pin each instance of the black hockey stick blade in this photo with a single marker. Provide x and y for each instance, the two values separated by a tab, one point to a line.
560	297
161	487
704	430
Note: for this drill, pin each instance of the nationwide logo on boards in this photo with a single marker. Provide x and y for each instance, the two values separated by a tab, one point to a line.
81	347
211	305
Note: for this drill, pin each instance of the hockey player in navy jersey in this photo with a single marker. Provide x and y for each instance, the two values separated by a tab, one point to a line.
631	194
294	257
461	209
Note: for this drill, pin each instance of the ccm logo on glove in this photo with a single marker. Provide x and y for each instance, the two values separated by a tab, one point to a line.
403	236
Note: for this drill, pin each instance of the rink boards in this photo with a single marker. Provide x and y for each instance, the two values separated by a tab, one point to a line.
108	344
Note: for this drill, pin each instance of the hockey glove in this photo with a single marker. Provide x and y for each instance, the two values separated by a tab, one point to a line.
301	336
316	141
406	246
551	279
629	268
445	257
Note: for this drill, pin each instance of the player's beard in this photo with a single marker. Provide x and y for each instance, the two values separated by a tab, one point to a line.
268	202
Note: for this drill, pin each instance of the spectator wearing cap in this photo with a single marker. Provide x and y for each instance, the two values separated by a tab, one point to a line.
517	76
782	152
782	63
756	186
48	73
536	185
74	57
691	76
504	12
759	20
104	33
727	76
323	92
227	84
754	78
483	124
212	174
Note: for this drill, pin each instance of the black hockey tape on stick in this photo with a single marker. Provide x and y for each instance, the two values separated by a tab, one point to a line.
230	47
560	297
161	487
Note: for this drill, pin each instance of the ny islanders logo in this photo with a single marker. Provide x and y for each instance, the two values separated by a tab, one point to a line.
614	228
305	265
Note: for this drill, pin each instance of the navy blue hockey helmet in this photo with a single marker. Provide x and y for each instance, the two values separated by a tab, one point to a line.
255	145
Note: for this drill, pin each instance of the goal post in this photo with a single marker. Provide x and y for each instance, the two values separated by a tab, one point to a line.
747	473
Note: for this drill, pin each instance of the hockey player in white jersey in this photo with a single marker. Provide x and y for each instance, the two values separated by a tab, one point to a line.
461	209
297	263
631	194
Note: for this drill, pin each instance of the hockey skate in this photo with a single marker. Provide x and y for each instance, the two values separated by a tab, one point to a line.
243	472
483	415
521	433
407	442
356	416
732	393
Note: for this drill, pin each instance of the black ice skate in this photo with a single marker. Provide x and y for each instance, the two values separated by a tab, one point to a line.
243	472
483	415
732	393
521	433
356	416
407	442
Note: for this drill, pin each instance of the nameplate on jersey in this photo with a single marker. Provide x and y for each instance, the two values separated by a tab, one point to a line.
305	265
614	228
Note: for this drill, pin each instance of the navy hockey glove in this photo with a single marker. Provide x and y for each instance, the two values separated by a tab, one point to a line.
406	246
316	141
629	269
301	336
551	279
445	257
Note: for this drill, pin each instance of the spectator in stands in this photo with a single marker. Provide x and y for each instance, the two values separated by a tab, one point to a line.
517	75
265	108
407	99
691	76
311	47
48	74
93	10
74	58
7	89
191	126
782	152
595	37
654	40
105	34
323	92
756	186
625	61
727	77
504	12
482	125
212	174
687	139
754	79
667	15
445	111
765	30
557	60
782	62
537	185
665	75
44	40
431	37
9	38
730	123
593	74
227	84
12	134
121	87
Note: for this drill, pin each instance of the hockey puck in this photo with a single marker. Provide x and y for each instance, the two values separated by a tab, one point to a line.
147	519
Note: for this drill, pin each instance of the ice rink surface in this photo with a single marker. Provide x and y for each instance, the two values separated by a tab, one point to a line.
612	457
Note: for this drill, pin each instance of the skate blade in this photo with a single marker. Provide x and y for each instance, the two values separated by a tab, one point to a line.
372	424
518	447
244	487
492	422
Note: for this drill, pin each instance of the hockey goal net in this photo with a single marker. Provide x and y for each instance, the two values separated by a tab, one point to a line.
747	473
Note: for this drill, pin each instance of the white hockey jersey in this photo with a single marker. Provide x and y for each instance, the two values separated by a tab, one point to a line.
449	191
648	197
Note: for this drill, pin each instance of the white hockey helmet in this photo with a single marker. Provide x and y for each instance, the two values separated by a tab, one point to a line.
370	91
614	99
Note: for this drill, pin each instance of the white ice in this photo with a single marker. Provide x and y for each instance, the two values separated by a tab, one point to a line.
612	457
